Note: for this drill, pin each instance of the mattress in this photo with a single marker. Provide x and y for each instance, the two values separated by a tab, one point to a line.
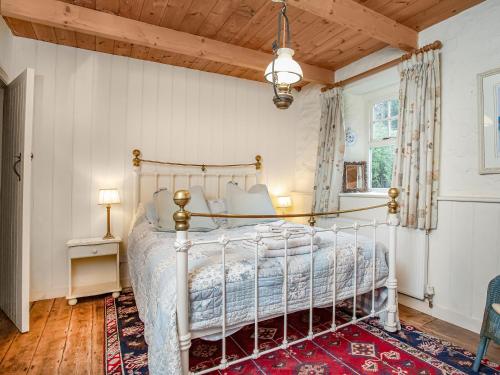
151	257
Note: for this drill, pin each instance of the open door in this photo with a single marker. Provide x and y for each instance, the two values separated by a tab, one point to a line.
15	199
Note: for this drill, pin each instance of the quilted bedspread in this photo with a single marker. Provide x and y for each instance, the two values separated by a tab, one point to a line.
151	257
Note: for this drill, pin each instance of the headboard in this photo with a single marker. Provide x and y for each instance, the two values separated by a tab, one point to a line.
152	175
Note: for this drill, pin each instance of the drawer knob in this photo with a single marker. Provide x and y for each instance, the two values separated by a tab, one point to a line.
94	251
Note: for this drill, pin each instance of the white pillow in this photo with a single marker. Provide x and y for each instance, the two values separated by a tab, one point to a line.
218	206
165	208
151	215
254	202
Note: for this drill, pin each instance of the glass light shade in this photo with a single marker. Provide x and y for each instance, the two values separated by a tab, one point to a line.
286	68
109	196
284	202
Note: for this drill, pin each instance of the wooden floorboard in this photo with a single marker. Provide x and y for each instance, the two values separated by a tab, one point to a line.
70	340
77	358
49	353
98	336
18	358
7	334
447	331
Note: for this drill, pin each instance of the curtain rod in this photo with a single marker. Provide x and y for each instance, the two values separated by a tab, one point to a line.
429	47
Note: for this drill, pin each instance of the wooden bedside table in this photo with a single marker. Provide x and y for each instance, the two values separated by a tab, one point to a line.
93	268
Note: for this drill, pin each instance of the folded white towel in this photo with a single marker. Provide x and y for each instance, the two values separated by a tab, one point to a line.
278	243
278	227
266	253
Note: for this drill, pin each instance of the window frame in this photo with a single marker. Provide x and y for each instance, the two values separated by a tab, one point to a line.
390	141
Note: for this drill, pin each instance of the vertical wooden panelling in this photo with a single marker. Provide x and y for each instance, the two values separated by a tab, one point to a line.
99	135
43	165
179	152
149	105
62	136
193	114
164	121
92	109
117	136
81	199
485	258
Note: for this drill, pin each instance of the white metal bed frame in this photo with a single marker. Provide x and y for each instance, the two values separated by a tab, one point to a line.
183	244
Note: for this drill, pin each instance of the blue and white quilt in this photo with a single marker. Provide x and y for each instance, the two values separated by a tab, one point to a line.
152	257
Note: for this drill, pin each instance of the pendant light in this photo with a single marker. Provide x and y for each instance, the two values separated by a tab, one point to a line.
283	71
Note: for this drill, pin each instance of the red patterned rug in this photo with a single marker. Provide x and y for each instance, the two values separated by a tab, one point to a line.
364	348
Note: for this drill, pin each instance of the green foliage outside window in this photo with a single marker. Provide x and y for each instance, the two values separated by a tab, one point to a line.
382	160
384	131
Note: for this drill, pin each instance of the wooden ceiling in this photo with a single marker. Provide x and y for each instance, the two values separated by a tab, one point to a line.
317	40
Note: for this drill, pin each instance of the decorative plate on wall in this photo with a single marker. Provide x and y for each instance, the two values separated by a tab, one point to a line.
350	137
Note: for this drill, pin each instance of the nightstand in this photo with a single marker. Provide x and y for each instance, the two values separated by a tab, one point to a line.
93	268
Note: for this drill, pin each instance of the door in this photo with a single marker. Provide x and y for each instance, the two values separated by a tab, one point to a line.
15	199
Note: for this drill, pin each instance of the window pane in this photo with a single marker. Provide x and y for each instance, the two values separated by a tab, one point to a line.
394	107
394	128
380	111
381	166
380	130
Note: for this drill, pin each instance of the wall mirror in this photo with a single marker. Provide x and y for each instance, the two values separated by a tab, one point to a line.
355	177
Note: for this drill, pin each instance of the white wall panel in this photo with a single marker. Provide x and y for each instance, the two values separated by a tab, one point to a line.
92	109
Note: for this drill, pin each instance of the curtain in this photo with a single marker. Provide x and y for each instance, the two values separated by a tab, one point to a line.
416	164
330	156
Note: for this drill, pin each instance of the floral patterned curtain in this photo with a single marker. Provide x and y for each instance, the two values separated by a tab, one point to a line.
416	165
331	148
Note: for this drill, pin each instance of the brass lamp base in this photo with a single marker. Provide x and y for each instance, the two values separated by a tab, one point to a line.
108	235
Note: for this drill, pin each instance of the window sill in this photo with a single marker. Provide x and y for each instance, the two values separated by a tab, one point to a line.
368	194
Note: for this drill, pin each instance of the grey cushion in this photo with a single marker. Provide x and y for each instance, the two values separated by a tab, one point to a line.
165	208
255	201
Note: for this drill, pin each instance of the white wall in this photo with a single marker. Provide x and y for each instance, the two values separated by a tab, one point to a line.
92	109
464	251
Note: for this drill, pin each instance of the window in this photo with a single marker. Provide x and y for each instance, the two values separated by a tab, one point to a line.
383	132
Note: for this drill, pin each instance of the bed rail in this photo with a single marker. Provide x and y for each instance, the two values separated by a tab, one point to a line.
183	244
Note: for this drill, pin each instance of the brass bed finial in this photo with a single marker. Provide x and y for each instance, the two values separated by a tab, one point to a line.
181	217
258	163
393	203
136	161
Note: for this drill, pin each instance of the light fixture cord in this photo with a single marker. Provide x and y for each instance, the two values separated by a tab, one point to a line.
282	15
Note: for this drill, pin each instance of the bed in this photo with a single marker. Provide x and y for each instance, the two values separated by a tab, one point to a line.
204	284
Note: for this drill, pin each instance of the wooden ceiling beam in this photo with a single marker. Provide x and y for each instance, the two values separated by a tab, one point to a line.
71	17
358	17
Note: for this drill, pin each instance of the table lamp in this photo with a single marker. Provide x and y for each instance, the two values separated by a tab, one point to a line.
108	197
284	202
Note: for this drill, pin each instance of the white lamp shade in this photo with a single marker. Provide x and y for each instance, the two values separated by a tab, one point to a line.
109	196
286	68
284	202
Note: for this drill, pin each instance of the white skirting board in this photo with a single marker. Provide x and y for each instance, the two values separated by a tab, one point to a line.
443	313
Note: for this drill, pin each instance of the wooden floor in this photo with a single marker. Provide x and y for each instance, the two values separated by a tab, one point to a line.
70	340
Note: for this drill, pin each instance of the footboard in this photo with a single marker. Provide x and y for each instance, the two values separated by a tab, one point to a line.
183	244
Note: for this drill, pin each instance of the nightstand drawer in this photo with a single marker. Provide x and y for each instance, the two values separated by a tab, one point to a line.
93	250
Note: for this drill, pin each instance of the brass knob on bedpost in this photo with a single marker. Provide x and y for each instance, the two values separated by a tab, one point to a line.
258	162
312	221
393	203
181	217
136	161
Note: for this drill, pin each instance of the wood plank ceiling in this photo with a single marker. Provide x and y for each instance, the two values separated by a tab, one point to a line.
246	23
